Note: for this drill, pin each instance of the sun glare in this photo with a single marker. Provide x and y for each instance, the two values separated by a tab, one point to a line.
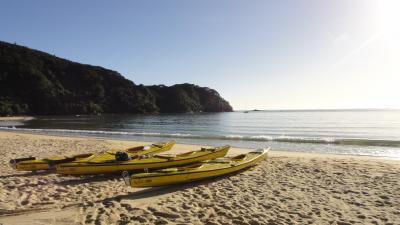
388	20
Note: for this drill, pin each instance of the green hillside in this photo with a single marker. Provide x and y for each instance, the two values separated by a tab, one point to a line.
36	83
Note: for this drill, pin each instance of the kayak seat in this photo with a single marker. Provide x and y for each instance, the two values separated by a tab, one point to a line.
158	146
111	152
85	155
186	154
135	149
164	157
239	157
191	167
207	149
53	162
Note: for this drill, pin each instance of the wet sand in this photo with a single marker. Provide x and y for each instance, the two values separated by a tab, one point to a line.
288	188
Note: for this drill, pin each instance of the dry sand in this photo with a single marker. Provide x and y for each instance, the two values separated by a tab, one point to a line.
288	188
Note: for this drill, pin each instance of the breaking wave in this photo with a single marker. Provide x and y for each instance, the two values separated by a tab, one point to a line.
257	138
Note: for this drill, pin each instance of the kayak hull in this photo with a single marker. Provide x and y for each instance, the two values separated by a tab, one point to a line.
201	171
155	162
33	164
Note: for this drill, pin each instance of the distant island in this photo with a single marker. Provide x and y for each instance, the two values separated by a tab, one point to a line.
37	83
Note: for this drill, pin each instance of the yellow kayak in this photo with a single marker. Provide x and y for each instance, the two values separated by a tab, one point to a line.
33	164
197	171
95	166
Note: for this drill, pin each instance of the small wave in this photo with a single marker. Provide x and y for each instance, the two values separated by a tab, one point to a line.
97	132
258	138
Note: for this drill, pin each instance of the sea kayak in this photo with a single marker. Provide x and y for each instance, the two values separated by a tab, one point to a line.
96	166
33	164
197	171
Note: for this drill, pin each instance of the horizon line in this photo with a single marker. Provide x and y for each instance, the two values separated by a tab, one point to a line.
322	109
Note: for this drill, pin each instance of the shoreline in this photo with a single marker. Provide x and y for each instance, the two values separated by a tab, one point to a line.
287	188
16	118
272	151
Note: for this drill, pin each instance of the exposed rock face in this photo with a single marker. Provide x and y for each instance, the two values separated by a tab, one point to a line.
34	82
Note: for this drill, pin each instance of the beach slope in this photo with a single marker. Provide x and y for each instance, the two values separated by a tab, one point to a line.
288	188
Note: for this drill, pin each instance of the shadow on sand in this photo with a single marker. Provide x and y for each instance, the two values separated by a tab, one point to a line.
28	174
156	191
81	179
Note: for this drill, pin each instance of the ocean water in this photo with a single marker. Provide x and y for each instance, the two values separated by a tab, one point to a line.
353	132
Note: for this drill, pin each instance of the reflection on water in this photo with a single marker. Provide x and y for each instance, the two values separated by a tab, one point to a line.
369	132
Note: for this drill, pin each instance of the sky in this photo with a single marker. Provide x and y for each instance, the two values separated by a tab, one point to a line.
308	54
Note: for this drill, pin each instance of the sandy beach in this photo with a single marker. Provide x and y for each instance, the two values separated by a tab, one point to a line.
288	188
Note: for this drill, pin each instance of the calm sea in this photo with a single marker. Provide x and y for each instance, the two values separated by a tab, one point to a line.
354	132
